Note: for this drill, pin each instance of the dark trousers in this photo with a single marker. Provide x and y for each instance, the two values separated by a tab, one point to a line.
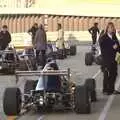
94	39
3	47
40	57
110	74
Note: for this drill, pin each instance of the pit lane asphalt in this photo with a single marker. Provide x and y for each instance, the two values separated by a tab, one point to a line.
79	73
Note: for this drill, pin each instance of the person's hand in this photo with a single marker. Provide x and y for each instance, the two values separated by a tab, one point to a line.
115	46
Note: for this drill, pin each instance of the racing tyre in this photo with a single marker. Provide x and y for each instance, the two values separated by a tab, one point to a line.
60	54
82	102
73	50
12	101
67	51
89	58
98	60
11	70
91	85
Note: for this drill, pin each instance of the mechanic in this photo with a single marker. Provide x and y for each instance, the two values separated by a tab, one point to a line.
33	31
41	45
60	41
5	38
109	46
93	31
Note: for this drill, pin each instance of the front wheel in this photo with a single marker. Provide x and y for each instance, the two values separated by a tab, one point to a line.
12	101
82	102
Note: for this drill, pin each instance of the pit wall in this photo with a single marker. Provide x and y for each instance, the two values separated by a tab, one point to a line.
19	40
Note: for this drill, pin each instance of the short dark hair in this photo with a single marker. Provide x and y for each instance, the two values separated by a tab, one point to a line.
4	26
59	25
35	24
95	23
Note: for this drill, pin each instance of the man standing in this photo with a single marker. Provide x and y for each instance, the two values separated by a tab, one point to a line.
41	44
60	41
33	31
5	37
93	31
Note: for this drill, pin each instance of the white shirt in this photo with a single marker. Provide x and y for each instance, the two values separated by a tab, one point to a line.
109	35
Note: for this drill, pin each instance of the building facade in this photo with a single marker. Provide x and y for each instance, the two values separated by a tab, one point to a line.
16	3
22	22
23	15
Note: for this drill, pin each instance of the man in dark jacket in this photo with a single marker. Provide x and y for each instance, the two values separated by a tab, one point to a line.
33	31
93	31
5	37
41	45
109	46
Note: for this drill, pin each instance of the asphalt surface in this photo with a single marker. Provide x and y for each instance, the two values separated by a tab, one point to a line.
106	108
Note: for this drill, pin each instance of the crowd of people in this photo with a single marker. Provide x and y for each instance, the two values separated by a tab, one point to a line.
108	43
39	41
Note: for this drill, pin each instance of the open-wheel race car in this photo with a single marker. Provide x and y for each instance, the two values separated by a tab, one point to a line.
8	60
94	56
11	60
70	49
53	87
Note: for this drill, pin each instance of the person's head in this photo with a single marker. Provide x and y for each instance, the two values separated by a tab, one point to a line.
4	28
35	25
110	28
41	26
96	24
59	26
54	66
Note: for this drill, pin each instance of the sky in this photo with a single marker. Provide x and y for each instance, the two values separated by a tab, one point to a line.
94	1
69	3
82	7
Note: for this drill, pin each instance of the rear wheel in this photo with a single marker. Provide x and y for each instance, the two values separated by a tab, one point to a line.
89	58
91	85
73	50
82	102
12	101
98	60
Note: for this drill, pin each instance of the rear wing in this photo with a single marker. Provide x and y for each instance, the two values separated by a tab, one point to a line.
6	51
43	73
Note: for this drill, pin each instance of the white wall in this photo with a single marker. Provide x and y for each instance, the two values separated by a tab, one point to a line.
24	39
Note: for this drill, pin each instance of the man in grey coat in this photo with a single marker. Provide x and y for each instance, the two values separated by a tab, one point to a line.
41	45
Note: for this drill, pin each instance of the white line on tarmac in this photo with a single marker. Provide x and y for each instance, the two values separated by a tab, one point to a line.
96	74
41	118
108	104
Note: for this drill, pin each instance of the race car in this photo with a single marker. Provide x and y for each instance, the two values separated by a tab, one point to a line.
11	60
52	87
8	60
70	48
94	56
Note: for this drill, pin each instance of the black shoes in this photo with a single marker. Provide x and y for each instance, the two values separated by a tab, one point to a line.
115	92
107	93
